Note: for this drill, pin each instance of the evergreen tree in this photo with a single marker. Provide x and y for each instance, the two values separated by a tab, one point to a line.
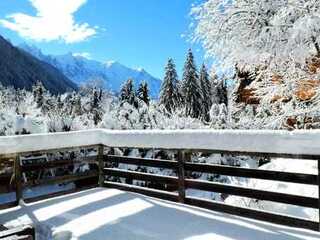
96	105
206	93
169	94
219	92
143	92
127	93
191	90
38	91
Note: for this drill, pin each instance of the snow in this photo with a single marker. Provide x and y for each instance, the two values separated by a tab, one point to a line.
114	214
297	142
285	165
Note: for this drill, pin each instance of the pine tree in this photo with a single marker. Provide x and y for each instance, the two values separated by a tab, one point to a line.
169	94
38	93
219	92
127	93
96	105
206	93
143	92
191	90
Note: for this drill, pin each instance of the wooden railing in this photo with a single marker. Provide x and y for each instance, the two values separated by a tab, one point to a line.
181	166
182	182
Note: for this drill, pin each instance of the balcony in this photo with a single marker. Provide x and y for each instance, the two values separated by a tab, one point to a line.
109	209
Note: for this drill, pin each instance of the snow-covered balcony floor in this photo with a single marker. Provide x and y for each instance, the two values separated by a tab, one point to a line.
101	214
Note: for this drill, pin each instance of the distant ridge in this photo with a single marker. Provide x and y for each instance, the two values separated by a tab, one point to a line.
20	69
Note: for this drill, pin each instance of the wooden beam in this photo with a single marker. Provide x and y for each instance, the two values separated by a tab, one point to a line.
18	231
57	194
252	193
58	164
142	190
254	214
62	179
143	161
141	176
253	173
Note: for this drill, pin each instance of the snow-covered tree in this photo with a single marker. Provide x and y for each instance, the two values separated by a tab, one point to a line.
143	93
278	41
127	93
206	90
250	32
191	90
38	93
169	93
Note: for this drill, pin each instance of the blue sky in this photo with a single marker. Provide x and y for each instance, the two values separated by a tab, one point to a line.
137	33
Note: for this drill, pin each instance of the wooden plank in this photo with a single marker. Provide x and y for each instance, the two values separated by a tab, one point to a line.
8	205
54	150
253	173
100	159
58	164
254	214
141	190
140	176
16	237
181	177
143	161
252	193
258	154
58	194
18	179
19	231
54	164
62	179
311	157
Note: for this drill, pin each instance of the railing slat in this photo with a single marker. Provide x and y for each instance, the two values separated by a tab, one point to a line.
140	176
62	179
58	164
252	193
143	162
254	214
253	173
142	190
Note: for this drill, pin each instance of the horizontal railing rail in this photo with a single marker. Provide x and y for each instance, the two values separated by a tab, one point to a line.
269	144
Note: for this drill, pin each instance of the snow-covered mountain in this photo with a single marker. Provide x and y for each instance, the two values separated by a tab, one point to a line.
82	70
22	70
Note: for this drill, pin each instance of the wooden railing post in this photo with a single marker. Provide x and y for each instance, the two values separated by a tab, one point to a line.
181	177
18	178
101	165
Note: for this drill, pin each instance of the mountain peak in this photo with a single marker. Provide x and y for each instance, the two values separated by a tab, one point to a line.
112	73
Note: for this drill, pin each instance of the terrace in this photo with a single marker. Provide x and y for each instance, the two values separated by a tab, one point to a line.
116	210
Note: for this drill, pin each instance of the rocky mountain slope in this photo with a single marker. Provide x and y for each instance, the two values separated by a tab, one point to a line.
22	70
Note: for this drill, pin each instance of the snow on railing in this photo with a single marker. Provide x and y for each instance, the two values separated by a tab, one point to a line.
280	142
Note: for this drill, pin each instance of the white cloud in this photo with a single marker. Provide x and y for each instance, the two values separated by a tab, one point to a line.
54	20
83	54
